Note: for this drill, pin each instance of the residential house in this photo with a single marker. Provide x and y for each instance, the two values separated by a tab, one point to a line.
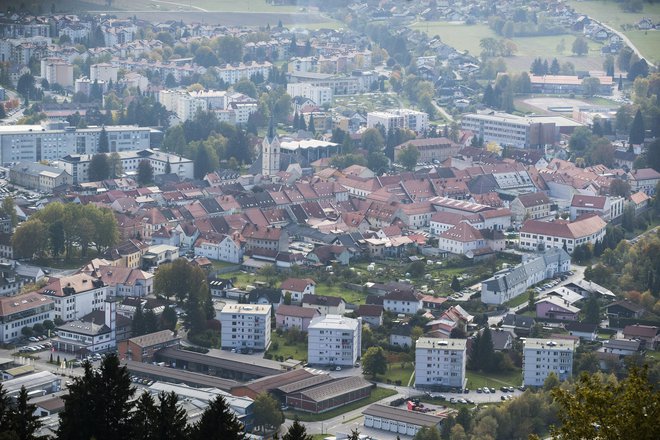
327	305
122	281
400	335
219	248
287	317
624	309
535	205
371	314
502	339
520	324
75	295
648	335
583	330
621	347
556	308
644	179
402	301
297	288
609	208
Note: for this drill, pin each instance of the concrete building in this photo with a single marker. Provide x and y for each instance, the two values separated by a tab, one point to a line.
562	234
245	326
21	311
430	149
287	317
399	420
399	118
320	95
75	295
222	248
38	177
511	130
81	337
608	208
77	165
124	281
542	357
440	362
34	143
59	72
105	72
233	73
143	348
334	340
533	206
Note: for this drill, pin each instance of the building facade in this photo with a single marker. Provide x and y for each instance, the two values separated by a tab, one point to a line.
21	311
440	362
334	340
542	357
246	326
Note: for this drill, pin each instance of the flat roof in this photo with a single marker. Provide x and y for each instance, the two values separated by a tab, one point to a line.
561	345
227	361
180	376
403	415
441	343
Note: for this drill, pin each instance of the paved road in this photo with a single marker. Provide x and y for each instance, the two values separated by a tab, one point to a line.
625	39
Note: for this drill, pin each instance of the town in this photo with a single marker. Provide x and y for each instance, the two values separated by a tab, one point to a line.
332	220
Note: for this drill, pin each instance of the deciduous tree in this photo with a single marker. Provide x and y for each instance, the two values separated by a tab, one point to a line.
374	362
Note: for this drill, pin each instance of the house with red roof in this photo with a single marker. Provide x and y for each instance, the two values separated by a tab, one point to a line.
644	179
648	335
609	208
297	287
287	317
589	228
533	205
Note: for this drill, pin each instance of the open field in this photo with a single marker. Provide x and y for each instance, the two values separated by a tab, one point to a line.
610	13
296	351
396	373
494	380
467	37
224	12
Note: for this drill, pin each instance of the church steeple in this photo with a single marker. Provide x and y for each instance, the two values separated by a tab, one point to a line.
270	151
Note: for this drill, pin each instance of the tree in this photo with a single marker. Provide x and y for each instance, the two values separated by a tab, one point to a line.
372	140
98	404
595	408
602	152
145	173
551	382
580	140
628	218
24	422
267	413
25	86
637	133
167	420
590	86
218	422
9	209
374	362
455	284
592	311
116	168
99	167
205	57
104	146
638	69
580	46
464	418
555	68
30	239
168	319
427	433
310	127
297	431
408	157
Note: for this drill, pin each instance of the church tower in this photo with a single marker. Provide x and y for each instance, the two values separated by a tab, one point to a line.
270	151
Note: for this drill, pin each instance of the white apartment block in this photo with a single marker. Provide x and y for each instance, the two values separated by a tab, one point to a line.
399	118
34	143
21	311
535	233
222	248
440	362
245	326
59	72
542	357
229	106
232	74
76	295
334	340
103	72
320	95
510	130
77	165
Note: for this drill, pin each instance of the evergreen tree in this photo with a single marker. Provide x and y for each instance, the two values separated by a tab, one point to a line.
143	418
25	422
170	420
455	284
5	409
301	123
218	422
168	167
592	311
620	87
489	97
486	351
554	67
296	121
637	133
99	167
297	431
145	173
150	322
311	128
138	324
103	141
98	404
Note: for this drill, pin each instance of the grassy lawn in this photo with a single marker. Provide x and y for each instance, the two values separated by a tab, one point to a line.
520	299
652	354
376	395
610	12
460	36
395	372
296	351
187	5
495	380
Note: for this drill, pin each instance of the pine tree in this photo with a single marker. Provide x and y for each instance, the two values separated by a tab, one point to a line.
170	419
637	133
138	326
25	422
5	407
301	123
296	121
297	431
455	284
168	167
311	128
103	141
98	404
218	422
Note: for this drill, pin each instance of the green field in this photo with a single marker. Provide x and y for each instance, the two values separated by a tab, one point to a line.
173	5
518	300
395	372
296	351
460	36
495	380
376	395
648	43
610	13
